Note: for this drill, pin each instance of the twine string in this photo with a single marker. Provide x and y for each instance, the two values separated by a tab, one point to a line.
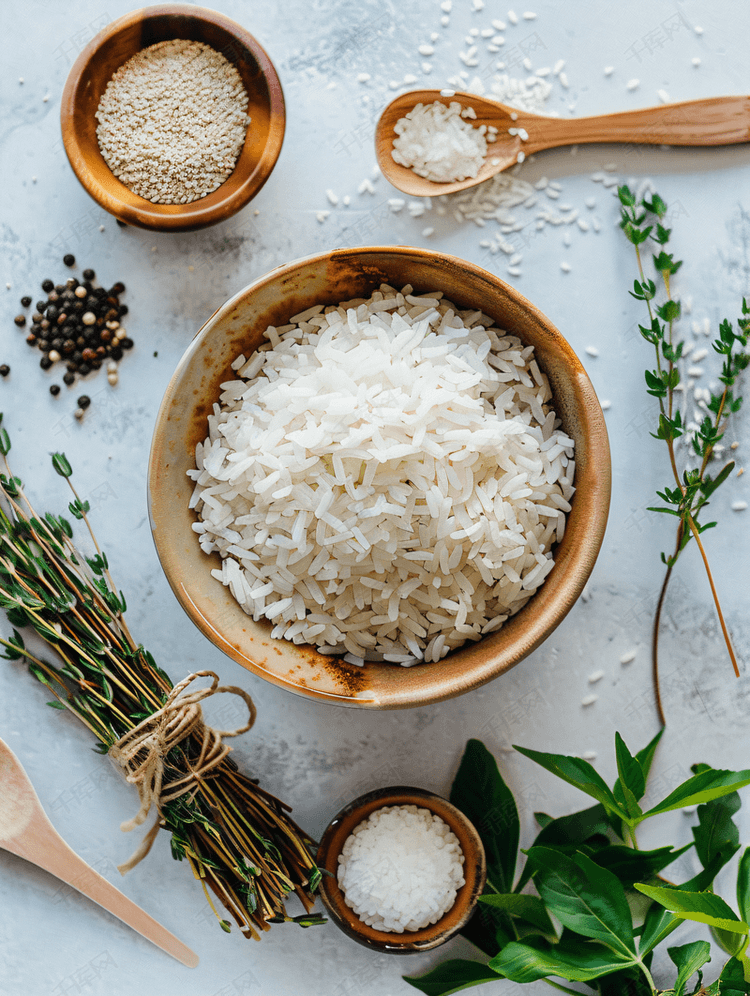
142	753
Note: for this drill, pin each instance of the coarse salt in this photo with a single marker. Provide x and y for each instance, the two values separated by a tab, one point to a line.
401	869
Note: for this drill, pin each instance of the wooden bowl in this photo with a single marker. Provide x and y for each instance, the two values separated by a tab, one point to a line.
238	327
118	42
475	871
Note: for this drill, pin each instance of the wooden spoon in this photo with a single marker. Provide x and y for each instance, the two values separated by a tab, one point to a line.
26	832
714	121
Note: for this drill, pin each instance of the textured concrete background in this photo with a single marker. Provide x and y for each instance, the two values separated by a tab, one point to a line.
318	757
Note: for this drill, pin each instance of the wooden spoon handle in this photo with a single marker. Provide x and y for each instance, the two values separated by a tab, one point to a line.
42	846
714	121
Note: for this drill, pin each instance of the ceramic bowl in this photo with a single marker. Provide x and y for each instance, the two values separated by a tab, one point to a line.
117	43
474	870
237	327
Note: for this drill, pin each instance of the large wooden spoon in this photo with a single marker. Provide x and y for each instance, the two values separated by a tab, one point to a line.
714	121
26	832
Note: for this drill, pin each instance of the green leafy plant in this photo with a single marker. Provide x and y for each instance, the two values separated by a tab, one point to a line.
589	876
238	839
687	496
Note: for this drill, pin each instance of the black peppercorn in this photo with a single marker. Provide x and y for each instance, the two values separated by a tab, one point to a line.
44	324
123	310
35	329
83	369
53	297
60	288
84	401
69	378
31	338
76	357
20	320
25	301
126	343
37	316
71	283
88	274
56	343
41	306
54	390
117	288
116	353
4	370
80	342
44	345
69	259
45	363
47	285
100	292
68	346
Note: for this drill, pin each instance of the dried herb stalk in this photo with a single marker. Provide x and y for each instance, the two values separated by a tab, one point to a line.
237	838
642	225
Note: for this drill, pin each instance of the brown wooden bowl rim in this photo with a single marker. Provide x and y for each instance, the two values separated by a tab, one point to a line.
171	217
539	626
475	870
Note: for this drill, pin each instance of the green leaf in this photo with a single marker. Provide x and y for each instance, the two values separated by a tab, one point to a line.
703	787
4	442
731	943
688	958
645	756
481	794
452	976
528	908
716	835
704	907
61	465
660	923
584	897
578	772
568	960
731	982
488	929
570	832
743	885
631	784
632	866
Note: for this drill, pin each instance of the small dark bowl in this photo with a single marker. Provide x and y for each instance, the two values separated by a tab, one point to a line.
474	870
120	41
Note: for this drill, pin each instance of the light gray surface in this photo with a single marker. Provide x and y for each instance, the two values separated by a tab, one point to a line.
314	756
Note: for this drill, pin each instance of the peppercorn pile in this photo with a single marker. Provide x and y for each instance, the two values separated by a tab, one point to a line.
78	324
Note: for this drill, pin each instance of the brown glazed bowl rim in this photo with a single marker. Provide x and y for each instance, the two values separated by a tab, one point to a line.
237	327
88	164
475	870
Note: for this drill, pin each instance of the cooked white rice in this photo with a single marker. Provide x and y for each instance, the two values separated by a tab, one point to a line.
437	143
385	478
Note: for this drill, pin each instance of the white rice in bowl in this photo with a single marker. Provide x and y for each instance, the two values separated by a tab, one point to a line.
385	478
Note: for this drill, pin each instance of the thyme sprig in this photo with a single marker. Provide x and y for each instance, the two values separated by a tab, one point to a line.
641	222
238	839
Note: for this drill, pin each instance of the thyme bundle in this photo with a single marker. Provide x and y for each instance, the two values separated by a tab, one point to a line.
641	223
238	839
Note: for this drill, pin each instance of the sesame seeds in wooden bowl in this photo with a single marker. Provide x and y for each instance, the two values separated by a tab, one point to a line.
110	50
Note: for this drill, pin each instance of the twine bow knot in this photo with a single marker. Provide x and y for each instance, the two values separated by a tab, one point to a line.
142	753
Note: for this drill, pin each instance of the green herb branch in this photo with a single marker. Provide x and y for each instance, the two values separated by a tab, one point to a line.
642	224
579	925
238	839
